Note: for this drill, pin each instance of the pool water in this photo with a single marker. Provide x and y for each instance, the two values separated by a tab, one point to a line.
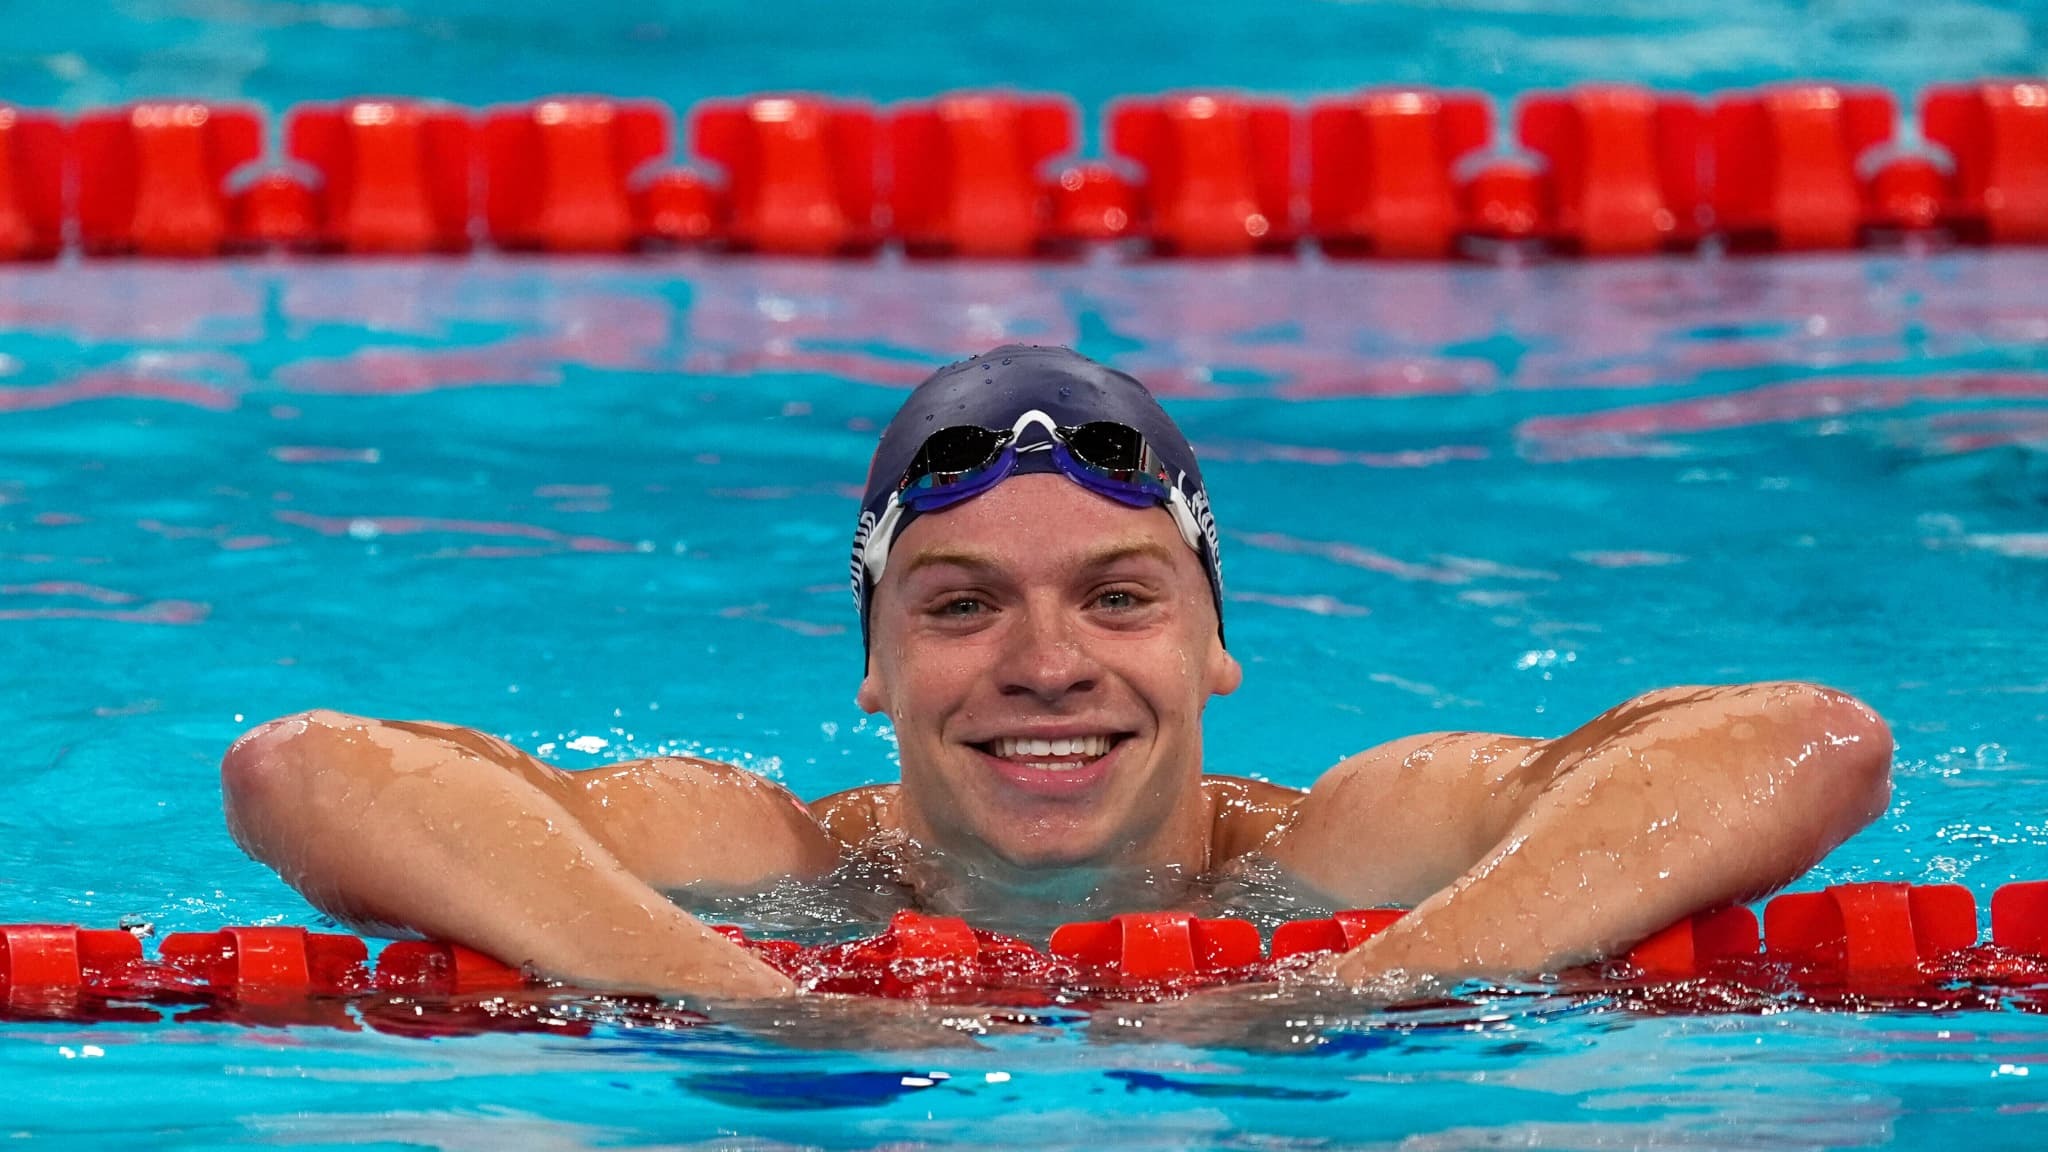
601	509
279	52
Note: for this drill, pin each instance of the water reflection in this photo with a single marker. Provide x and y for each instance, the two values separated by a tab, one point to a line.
1304	329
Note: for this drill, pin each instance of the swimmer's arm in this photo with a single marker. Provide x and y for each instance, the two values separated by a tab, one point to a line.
1525	856
462	837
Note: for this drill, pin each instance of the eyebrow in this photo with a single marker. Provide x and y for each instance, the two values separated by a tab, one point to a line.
1102	557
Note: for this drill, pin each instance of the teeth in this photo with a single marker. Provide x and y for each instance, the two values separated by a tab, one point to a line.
1010	748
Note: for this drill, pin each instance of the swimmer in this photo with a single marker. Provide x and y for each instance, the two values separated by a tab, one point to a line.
1037	575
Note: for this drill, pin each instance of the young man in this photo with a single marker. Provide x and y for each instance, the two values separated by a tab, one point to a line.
1037	574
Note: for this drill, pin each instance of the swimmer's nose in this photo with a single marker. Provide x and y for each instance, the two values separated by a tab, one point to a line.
1046	660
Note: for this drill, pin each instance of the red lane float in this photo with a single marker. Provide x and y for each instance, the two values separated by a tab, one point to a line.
434	968
61	956
1882	942
152	178
926	956
965	172
676	208
1624	168
1393	174
2019	918
1712	943
270	962
393	176
1905	194
1219	171
1785	164
1997	134
1140	949
801	173
1504	201
1868	935
1092	203
560	174
278	210
1382	171
1705	944
31	185
1341	933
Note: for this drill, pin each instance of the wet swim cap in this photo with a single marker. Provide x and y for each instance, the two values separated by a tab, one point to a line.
994	391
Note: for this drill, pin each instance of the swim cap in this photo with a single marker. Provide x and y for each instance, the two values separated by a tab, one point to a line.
994	390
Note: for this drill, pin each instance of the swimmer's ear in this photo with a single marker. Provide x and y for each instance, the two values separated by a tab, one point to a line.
1225	673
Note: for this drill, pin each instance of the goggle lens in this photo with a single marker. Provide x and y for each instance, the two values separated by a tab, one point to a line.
962	461
1117	449
951	454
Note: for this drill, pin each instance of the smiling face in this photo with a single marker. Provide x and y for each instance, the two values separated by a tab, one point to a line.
1045	655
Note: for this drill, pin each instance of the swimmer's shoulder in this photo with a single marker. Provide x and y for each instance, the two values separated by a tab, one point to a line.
1246	814
858	815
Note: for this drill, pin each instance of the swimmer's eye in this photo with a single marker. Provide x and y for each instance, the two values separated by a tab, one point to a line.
961	606
1121	599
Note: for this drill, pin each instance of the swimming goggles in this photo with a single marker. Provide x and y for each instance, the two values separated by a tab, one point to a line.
957	464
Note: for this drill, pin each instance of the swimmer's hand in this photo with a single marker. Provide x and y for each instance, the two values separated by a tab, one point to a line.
1364	973
720	974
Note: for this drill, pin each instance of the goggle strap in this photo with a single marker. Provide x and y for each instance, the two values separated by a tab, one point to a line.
875	551
1183	515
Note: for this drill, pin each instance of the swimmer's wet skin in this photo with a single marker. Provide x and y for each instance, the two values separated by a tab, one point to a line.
1039	586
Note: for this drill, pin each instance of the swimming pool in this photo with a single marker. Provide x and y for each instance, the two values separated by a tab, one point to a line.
233	491
601	508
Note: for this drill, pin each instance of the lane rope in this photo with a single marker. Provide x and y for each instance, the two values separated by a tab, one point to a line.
1395	174
1874	942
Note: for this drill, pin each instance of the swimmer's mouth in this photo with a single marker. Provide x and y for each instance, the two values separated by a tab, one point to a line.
1064	754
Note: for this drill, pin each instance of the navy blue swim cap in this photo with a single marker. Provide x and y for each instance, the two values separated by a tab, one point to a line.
998	390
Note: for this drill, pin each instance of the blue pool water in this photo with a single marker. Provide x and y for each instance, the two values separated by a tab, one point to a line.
478	51
601	508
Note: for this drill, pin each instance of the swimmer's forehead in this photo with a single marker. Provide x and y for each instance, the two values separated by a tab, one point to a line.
1036	528
1091	557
